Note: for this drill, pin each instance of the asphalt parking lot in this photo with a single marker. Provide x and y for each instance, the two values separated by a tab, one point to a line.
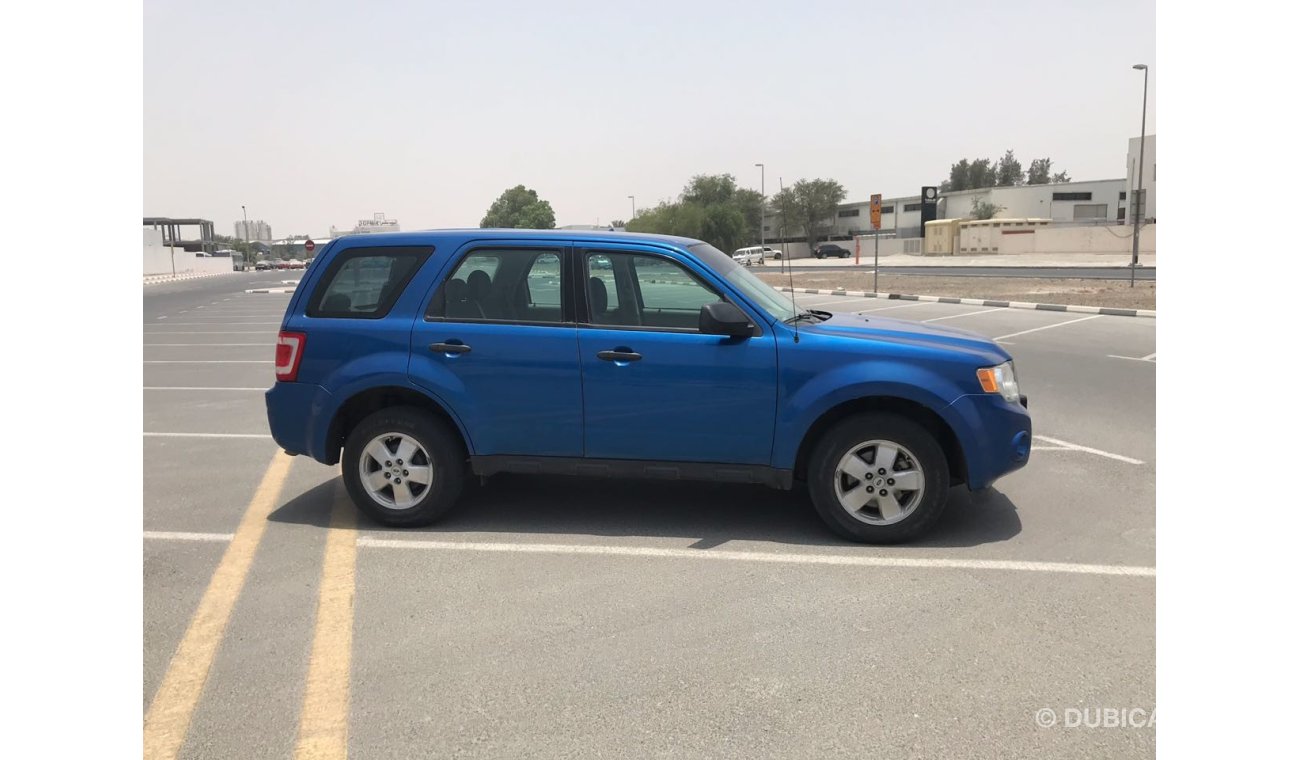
550	617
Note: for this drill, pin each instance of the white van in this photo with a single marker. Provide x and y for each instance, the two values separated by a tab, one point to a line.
755	254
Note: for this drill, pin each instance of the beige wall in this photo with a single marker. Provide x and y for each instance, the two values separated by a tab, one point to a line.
1078	240
159	259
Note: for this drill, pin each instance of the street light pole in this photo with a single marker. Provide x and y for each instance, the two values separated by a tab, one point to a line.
762	212
248	248
633	197
1139	202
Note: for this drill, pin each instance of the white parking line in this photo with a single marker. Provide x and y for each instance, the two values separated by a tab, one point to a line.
1098	452
206	435
1048	327
209	361
966	314
904	306
208	332
192	345
1149	358
162	535
200	388
850	560
218	323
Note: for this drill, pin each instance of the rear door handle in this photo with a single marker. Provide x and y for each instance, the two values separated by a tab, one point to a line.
618	356
449	348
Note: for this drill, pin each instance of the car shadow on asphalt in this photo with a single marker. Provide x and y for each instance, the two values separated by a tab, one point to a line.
710	513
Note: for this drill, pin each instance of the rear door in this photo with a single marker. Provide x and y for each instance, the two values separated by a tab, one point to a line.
498	343
654	387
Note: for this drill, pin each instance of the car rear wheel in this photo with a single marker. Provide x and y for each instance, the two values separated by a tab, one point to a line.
878	478
403	467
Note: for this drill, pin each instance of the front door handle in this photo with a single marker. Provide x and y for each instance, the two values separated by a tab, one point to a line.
449	348
618	356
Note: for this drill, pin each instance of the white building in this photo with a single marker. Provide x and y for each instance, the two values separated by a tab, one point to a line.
1094	202
251	231
379	223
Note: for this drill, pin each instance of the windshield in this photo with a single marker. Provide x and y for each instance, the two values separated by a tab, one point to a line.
762	295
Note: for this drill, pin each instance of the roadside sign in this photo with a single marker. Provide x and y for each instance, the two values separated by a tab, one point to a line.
310	246
875	211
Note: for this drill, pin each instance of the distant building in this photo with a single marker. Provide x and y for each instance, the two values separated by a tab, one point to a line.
251	231
1091	202
380	223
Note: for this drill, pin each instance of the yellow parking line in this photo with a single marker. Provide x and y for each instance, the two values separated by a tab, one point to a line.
323	725
168	719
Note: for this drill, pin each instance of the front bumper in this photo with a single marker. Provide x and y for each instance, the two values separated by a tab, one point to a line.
996	436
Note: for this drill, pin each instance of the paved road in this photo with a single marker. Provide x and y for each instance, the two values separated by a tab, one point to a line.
561	617
1078	273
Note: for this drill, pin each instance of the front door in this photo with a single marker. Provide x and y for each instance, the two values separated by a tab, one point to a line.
654	387
498	344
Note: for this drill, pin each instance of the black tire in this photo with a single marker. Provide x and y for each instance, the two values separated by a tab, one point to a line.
445	452
846	434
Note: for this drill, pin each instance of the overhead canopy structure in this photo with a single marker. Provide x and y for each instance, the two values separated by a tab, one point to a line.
171	229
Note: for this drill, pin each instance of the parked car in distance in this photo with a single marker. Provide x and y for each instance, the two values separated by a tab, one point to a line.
296	264
262	266
749	256
830	249
419	360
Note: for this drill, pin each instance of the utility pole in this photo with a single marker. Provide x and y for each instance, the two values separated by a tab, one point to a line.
248	248
633	197
762	212
1139	201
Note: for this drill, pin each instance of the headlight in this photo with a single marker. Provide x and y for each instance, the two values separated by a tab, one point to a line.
1000	379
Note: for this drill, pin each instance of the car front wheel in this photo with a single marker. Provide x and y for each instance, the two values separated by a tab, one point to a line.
878	478
403	467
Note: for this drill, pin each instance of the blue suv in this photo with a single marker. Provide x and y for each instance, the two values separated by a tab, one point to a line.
418	359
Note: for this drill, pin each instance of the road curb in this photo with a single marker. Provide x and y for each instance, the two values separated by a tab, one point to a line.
1107	310
270	290
156	279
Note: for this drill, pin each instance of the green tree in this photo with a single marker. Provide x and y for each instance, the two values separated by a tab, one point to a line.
807	204
983	209
710	208
1040	172
982	174
958	177
618	223
1009	171
1061	177
520	208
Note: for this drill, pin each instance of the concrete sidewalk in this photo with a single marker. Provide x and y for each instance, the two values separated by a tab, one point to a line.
985	260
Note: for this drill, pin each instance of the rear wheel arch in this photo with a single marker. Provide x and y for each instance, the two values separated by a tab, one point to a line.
920	413
365	403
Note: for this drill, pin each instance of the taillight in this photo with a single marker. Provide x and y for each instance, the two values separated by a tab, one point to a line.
288	355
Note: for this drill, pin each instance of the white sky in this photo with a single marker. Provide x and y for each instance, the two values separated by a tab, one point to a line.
320	113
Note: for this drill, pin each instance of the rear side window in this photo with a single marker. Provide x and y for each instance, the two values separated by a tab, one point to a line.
523	286
364	283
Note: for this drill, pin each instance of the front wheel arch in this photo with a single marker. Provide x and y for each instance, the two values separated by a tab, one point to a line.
907	408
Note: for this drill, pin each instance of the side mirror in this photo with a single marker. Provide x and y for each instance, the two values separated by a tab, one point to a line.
722	318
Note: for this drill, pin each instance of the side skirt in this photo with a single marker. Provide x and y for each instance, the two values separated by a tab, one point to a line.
633	468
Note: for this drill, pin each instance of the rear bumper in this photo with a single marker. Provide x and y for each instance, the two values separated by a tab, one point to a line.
294	411
996	437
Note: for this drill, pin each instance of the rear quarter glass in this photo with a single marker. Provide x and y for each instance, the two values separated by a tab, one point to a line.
365	282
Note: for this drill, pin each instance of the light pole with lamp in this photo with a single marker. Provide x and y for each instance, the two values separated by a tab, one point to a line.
762	212
1139	202
633	198
248	249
